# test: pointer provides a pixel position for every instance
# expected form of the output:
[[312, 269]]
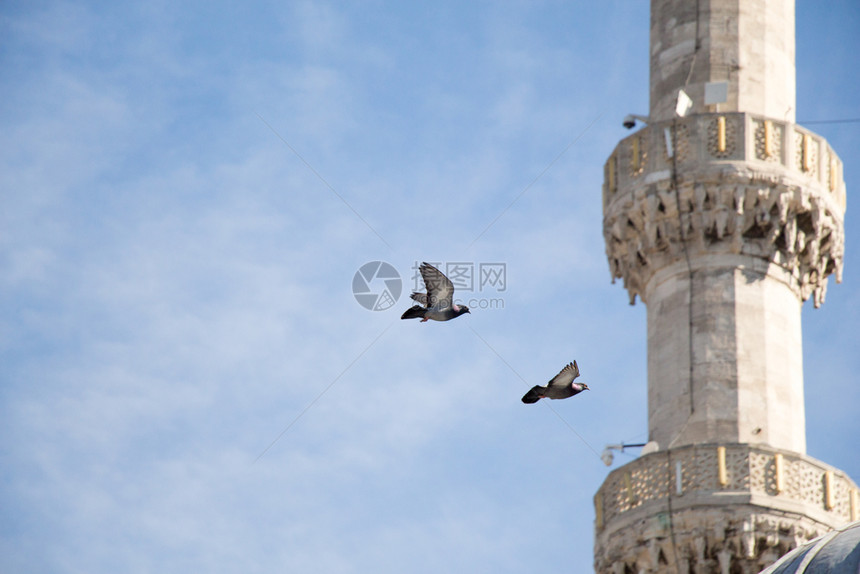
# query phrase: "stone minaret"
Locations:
[[723, 219]]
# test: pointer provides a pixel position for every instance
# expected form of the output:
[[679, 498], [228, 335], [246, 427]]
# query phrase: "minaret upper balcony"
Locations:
[[746, 184]]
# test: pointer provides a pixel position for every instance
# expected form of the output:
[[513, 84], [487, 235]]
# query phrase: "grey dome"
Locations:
[[836, 552]]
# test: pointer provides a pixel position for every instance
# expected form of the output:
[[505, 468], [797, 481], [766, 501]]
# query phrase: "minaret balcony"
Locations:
[[731, 183]]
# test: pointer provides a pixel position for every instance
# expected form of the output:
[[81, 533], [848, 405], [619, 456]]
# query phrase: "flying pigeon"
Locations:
[[560, 387], [438, 302]]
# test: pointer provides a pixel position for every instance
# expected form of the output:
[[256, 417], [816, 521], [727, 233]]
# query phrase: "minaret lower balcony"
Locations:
[[731, 183], [691, 504]]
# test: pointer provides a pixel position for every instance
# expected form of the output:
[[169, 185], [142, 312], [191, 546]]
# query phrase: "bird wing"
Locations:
[[440, 290], [565, 376], [420, 298]]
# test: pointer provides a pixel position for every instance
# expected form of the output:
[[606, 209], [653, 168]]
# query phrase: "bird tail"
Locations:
[[419, 298], [534, 395], [414, 312]]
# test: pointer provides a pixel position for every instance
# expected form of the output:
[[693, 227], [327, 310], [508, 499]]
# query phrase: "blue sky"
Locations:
[[186, 191]]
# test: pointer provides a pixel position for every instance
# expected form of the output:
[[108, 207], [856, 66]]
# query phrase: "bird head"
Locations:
[[583, 387], [464, 309]]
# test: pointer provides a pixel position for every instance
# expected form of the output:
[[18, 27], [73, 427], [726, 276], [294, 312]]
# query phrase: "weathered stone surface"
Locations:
[[747, 43]]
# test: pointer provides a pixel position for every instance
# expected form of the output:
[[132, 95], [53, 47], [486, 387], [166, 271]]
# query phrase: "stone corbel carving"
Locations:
[[700, 544], [667, 200], [725, 557], [748, 537], [798, 536], [740, 218], [644, 232], [720, 530], [654, 554]]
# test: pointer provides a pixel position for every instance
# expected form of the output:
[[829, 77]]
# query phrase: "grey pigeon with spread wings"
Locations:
[[438, 303], [561, 386]]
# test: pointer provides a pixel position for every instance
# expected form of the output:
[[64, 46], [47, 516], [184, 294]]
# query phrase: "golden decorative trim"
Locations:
[[598, 510], [768, 138], [611, 174], [722, 472], [778, 473], [721, 133], [834, 173], [828, 490], [635, 160], [629, 486]]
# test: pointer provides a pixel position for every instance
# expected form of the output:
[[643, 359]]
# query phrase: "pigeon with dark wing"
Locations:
[[438, 302], [560, 387]]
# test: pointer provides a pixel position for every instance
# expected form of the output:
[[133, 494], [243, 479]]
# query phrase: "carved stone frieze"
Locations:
[[698, 551], [781, 224]]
